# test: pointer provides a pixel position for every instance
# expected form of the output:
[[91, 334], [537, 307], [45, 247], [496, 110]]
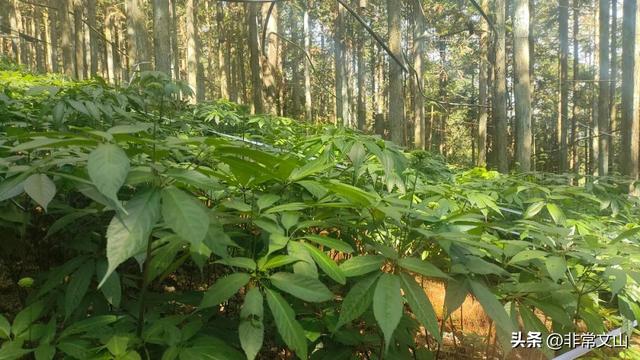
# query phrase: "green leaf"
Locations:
[[224, 288], [289, 328], [277, 261], [210, 348], [13, 186], [420, 305], [128, 235], [40, 188], [45, 352], [5, 327], [627, 234], [422, 267], [533, 209], [455, 295], [527, 255], [303, 287], [357, 301], [251, 329], [77, 288], [491, 306], [108, 166], [309, 168], [326, 264], [240, 262], [331, 243], [185, 215], [93, 323], [360, 265], [13, 351], [295, 206], [556, 266], [26, 317], [111, 289], [556, 214], [387, 305]]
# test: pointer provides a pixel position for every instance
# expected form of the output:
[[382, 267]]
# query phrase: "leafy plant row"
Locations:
[[154, 236]]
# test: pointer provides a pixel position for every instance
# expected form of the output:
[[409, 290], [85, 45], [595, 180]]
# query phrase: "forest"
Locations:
[[348, 179]]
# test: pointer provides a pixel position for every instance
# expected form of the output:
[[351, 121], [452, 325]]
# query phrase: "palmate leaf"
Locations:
[[185, 215], [108, 166], [289, 328], [128, 234], [387, 305], [251, 329]]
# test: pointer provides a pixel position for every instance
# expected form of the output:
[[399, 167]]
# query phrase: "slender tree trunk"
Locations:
[[93, 37], [523, 84], [54, 15], [254, 50], [483, 103], [396, 91], [39, 34], [418, 64], [192, 49], [78, 41], [630, 127], [15, 23], [270, 65], [574, 88], [110, 48], [564, 84], [175, 49], [223, 66], [306, 30], [362, 87], [603, 93], [594, 136], [500, 90], [613, 109], [342, 95], [161, 36]]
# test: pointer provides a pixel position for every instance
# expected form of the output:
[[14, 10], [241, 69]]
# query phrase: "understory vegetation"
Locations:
[[137, 226]]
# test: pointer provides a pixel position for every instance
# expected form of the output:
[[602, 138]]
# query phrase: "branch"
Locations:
[[484, 15], [264, 28]]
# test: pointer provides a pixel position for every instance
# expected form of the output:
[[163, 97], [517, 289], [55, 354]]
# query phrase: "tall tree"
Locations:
[[78, 39], [94, 47], [306, 31], [161, 36], [574, 88], [342, 95], [396, 90], [138, 49], [603, 89], [630, 125], [223, 63], [419, 136], [193, 56], [271, 65], [52, 42], [563, 114], [254, 53], [483, 113], [613, 85], [362, 88], [500, 89], [65, 37], [523, 84], [175, 49]]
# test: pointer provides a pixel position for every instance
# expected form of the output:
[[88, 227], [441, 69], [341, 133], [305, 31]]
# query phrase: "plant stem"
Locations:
[[143, 290]]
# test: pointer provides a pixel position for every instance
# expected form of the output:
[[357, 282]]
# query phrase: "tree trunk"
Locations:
[[603, 92], [613, 109], [419, 136], [630, 127], [138, 51], [65, 37], [53, 16], [192, 49], [574, 88], [500, 90], [270, 65], [175, 50], [223, 65], [483, 102], [396, 91], [110, 46], [564, 84], [306, 30], [78, 39], [594, 134], [93, 37], [254, 50], [161, 36], [39, 34], [362, 87], [522, 84], [342, 95]]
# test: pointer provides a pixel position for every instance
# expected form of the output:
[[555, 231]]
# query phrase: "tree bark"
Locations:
[[574, 88], [362, 87], [94, 47], [630, 127], [396, 91], [564, 85], [192, 49], [613, 85], [603, 92], [53, 34], [419, 136], [270, 66], [342, 95], [138, 49], [522, 84], [500, 90], [223, 65], [483, 102], [175, 50], [65, 37], [254, 53], [306, 30]]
